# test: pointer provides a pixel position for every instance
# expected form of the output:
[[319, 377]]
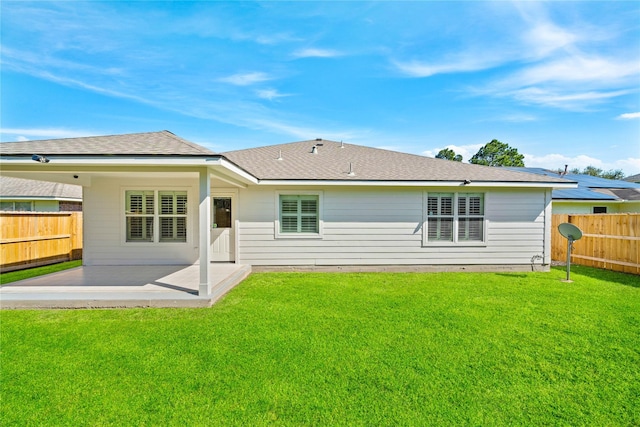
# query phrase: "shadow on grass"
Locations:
[[625, 279]]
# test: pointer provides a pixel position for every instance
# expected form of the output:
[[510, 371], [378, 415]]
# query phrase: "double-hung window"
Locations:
[[440, 217], [139, 213], [455, 218], [156, 216], [173, 216], [298, 215]]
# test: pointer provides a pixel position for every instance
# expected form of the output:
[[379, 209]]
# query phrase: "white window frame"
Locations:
[[281, 235], [13, 205], [456, 220], [156, 216]]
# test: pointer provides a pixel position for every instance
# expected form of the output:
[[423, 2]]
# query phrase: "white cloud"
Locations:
[[543, 63], [270, 94], [544, 38], [460, 64], [577, 68], [316, 53], [567, 100], [466, 151], [557, 161], [629, 116], [629, 165], [245, 79], [44, 133]]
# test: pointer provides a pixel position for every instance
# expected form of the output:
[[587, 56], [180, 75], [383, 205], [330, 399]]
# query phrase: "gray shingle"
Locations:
[[19, 187], [149, 143], [331, 162]]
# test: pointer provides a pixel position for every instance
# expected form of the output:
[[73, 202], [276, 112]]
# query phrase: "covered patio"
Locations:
[[123, 287]]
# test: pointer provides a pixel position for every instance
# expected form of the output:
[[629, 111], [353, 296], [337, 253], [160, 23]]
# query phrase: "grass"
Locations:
[[14, 276], [340, 349]]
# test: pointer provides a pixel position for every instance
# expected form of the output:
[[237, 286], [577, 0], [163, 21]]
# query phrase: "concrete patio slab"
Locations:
[[122, 287]]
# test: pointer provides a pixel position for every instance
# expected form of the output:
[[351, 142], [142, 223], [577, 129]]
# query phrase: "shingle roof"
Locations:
[[19, 187], [149, 143], [633, 178], [590, 187], [332, 162]]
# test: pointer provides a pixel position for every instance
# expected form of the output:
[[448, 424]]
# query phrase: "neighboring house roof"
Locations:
[[590, 187], [633, 178], [331, 160], [19, 188], [150, 143]]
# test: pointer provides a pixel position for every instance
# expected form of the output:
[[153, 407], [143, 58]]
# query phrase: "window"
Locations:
[[599, 209], [470, 217], [143, 217], [440, 217], [222, 212], [173, 216], [299, 214], [16, 206], [455, 217]]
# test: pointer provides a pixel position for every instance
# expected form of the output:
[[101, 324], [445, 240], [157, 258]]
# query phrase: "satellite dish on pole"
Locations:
[[571, 233]]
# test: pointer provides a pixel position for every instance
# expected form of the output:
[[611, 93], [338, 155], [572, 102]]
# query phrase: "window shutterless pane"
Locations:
[[139, 202], [440, 229], [139, 229], [470, 229], [299, 214]]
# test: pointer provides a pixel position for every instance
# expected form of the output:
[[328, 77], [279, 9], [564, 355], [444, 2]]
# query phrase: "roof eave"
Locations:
[[413, 183]]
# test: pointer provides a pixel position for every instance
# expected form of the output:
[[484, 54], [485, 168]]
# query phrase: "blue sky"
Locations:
[[559, 81]]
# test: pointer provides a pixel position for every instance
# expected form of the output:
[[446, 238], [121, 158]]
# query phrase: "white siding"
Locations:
[[587, 207], [104, 224], [383, 226], [46, 206]]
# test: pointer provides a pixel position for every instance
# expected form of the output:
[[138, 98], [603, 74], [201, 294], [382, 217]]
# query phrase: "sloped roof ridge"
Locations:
[[378, 164], [184, 141], [141, 143]]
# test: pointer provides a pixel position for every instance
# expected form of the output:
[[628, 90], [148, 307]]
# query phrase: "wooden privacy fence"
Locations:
[[609, 241], [31, 239]]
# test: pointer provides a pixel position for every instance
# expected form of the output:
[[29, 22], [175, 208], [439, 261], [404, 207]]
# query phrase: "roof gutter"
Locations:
[[371, 183]]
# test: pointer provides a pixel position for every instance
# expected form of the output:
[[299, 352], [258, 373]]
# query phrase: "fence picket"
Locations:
[[609, 241], [30, 239]]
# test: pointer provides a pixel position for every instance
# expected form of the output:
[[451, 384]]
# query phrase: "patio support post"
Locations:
[[204, 288]]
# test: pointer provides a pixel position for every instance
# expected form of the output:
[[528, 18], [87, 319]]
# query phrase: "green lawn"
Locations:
[[14, 276], [340, 349]]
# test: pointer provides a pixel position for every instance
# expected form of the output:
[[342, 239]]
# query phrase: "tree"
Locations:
[[449, 154], [594, 171], [497, 153]]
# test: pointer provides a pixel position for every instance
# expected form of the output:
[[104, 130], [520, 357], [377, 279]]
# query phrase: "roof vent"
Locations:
[[351, 172], [318, 139], [341, 144], [279, 155], [314, 149]]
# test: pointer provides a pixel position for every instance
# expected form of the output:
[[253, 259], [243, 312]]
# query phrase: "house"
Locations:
[[633, 178], [154, 198], [27, 195], [593, 194]]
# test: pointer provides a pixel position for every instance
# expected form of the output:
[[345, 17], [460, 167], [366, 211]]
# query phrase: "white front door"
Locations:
[[222, 231]]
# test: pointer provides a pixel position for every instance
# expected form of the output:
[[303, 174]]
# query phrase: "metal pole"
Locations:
[[569, 242]]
